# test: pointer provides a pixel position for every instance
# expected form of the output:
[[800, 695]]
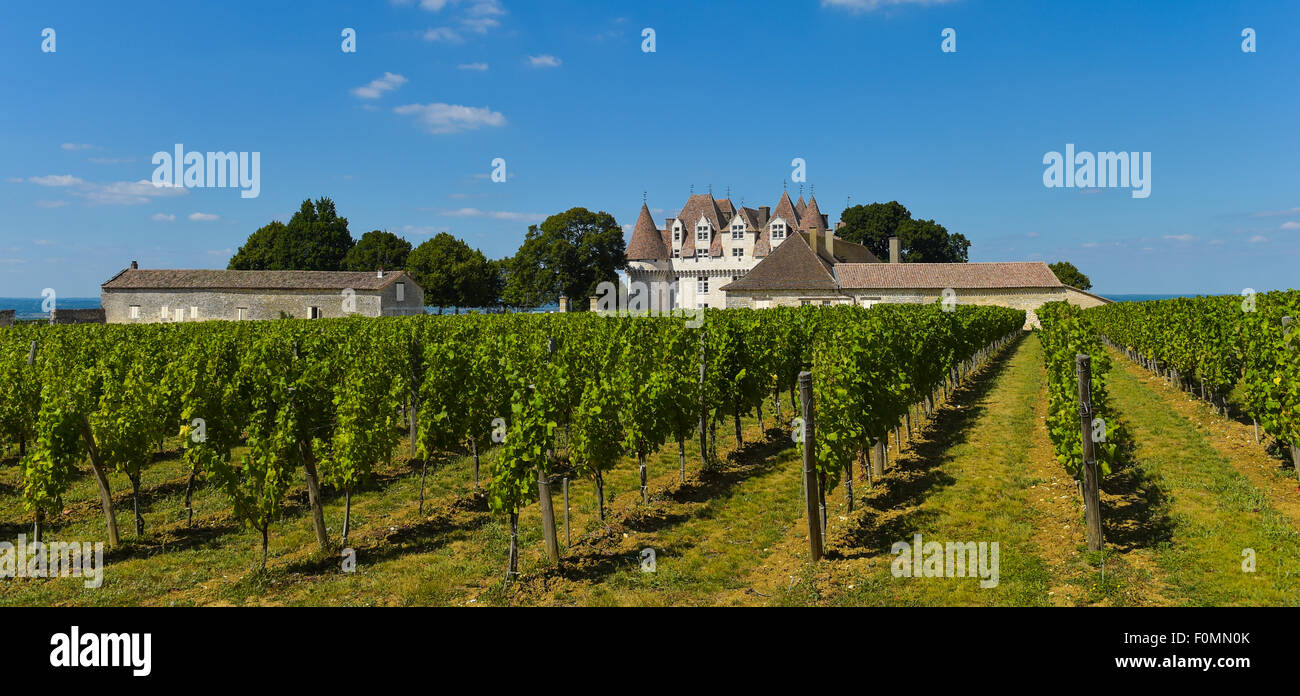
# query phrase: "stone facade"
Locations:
[[141, 302], [77, 316]]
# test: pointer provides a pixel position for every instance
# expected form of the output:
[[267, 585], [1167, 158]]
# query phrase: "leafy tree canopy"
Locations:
[[921, 240], [1068, 274], [454, 275], [377, 249], [569, 254], [316, 239]]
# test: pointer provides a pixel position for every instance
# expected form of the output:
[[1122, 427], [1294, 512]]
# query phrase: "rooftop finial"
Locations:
[[812, 191], [783, 185], [710, 190], [728, 192], [692, 189], [801, 190], [642, 197]]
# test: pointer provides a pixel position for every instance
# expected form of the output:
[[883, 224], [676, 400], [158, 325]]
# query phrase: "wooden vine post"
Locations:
[[1295, 447], [544, 494], [22, 447], [1091, 504], [810, 484]]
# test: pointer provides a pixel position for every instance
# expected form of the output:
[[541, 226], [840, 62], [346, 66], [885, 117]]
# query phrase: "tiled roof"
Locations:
[[1033, 274], [799, 205], [791, 266], [647, 242], [181, 279], [812, 216]]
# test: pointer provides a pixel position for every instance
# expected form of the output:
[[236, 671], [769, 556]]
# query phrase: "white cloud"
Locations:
[[218, 252], [162, 217], [377, 87], [479, 25], [1257, 239], [1180, 237], [861, 6], [442, 34], [473, 66], [77, 146], [56, 180], [544, 61], [111, 160], [1277, 213], [495, 214], [451, 118], [50, 204], [203, 217], [1089, 245], [43, 242], [1291, 225], [130, 192]]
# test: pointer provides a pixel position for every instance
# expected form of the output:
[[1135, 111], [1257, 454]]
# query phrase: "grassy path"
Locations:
[[1213, 513], [965, 479]]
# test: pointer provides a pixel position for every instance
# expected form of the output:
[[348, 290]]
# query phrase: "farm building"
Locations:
[[138, 295], [794, 274]]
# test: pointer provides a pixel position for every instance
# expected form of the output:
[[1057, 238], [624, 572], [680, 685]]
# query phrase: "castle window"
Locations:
[[737, 252], [677, 253], [778, 230], [241, 313], [313, 312], [702, 286], [677, 235], [702, 233]]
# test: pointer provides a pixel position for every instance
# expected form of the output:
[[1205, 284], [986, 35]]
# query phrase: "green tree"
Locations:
[[569, 254], [1068, 274], [377, 249], [920, 240], [453, 274], [316, 239]]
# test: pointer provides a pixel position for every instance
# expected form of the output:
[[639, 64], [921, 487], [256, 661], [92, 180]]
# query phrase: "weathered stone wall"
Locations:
[[77, 316], [6, 317], [259, 304]]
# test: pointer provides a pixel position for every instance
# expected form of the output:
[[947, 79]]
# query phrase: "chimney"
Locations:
[[830, 246], [380, 273], [135, 266], [839, 224], [764, 214], [812, 239], [895, 250]]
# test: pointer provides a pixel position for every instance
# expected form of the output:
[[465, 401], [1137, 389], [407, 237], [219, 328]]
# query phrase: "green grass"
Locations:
[[974, 473], [1216, 512]]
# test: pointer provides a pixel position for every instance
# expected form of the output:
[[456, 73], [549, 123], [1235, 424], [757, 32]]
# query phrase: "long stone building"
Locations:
[[137, 296], [795, 274]]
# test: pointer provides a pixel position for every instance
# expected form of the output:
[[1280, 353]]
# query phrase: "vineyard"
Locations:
[[534, 458]]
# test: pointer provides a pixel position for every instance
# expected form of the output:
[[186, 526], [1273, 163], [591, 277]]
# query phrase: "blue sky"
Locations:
[[402, 133]]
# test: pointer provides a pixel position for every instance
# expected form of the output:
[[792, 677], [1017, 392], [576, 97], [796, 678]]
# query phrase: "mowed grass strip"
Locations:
[[1218, 517], [965, 479]]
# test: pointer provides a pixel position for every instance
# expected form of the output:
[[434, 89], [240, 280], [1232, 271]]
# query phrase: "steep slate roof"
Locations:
[[785, 209], [647, 241], [799, 205], [791, 266], [161, 279], [1032, 274]]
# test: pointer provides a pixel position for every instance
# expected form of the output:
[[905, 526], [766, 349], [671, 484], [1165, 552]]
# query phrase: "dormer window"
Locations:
[[738, 231], [737, 252], [702, 233], [677, 234], [778, 230]]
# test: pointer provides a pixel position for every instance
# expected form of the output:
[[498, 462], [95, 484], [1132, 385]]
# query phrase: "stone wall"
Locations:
[[204, 305], [1028, 299], [77, 316], [6, 317]]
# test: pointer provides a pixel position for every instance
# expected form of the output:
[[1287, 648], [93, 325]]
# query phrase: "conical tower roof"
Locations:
[[647, 242]]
